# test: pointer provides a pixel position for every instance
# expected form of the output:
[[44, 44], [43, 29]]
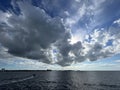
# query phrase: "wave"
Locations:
[[10, 81]]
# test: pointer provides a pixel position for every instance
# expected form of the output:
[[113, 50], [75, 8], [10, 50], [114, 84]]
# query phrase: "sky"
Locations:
[[60, 34]]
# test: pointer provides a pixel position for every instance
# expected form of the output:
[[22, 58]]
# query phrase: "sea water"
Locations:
[[60, 80]]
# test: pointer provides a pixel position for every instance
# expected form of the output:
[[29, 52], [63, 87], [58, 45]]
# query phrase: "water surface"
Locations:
[[60, 80]]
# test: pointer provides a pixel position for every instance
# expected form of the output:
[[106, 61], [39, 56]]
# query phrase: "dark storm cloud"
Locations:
[[30, 33], [44, 34]]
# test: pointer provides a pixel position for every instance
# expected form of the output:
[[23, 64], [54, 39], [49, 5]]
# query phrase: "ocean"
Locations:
[[59, 80]]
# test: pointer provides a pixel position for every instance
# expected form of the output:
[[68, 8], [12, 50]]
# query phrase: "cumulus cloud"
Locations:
[[36, 34], [31, 32], [102, 44], [97, 45]]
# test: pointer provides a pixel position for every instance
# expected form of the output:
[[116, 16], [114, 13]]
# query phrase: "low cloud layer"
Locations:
[[36, 35]]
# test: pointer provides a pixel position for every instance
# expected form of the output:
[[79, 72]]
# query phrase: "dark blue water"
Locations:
[[60, 80]]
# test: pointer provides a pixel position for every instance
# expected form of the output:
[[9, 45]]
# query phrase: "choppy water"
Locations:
[[60, 80]]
